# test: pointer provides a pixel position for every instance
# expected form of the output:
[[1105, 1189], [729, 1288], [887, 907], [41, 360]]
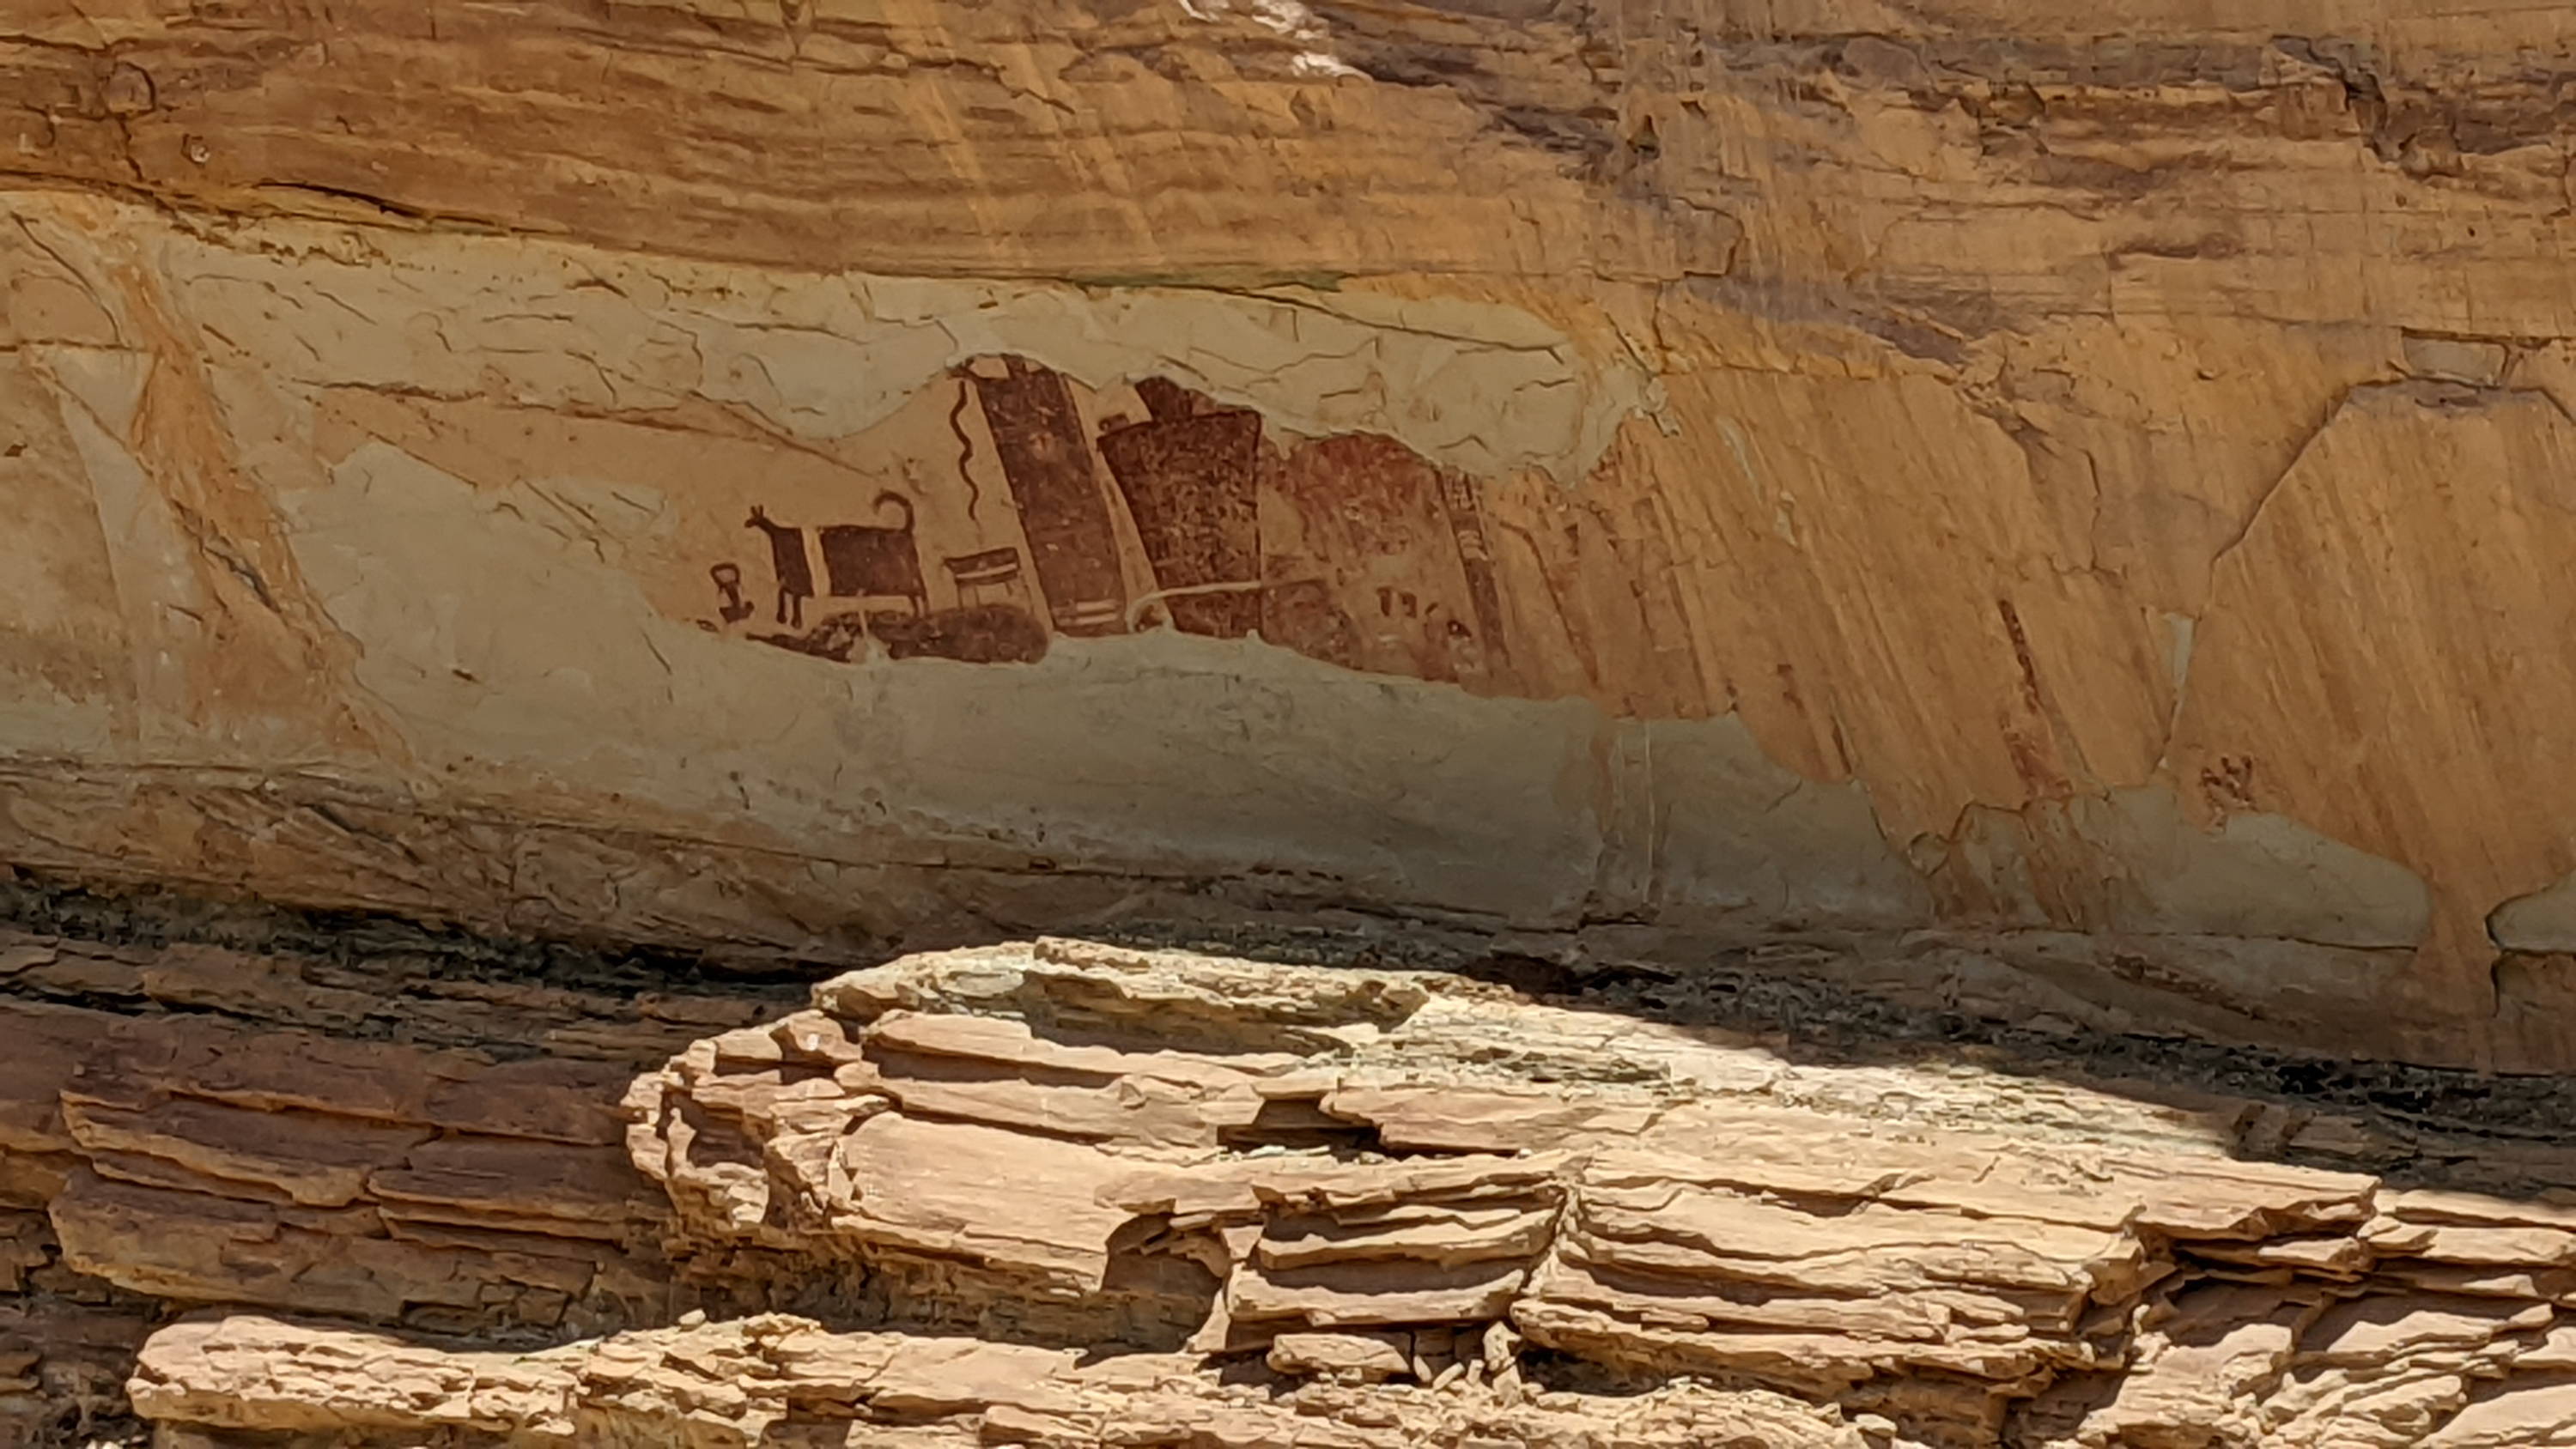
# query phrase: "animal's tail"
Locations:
[[899, 501], [965, 444]]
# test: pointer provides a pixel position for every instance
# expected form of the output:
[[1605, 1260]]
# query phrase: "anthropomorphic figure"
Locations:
[[735, 608]]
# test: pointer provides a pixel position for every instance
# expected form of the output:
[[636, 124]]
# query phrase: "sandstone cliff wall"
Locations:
[[2062, 503]]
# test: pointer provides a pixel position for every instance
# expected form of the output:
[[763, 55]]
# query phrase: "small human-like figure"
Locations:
[[728, 577]]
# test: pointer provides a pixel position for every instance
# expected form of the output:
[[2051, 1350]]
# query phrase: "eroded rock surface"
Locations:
[[1069, 1194], [820, 479], [393, 1137], [781, 1380], [2046, 513]]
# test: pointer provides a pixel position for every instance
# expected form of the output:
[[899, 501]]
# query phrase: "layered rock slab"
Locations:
[[1068, 1194], [404, 1145], [1355, 1173], [782, 1380]]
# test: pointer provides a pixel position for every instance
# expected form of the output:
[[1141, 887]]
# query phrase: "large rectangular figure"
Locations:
[[1037, 431]]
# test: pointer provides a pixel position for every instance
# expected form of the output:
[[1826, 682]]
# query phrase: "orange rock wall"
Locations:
[[2084, 483]]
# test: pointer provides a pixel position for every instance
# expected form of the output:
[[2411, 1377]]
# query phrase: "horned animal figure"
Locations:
[[868, 562], [787, 560]]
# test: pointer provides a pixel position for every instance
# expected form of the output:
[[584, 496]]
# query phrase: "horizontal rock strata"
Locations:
[[1067, 1194], [813, 479], [1354, 1173], [785, 1381], [397, 1142], [1071, 1194], [2051, 514]]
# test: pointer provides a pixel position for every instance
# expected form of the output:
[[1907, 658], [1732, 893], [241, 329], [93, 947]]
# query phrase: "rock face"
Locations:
[[2080, 486], [779, 1380], [1063, 1194], [2044, 517]]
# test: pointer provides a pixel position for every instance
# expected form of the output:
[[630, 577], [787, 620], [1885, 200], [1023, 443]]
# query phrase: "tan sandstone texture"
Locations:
[[2063, 505], [1062, 1194], [2045, 522]]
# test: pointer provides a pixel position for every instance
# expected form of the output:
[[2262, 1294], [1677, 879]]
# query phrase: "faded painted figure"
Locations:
[[1190, 477], [1055, 488], [860, 561], [1101, 512]]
